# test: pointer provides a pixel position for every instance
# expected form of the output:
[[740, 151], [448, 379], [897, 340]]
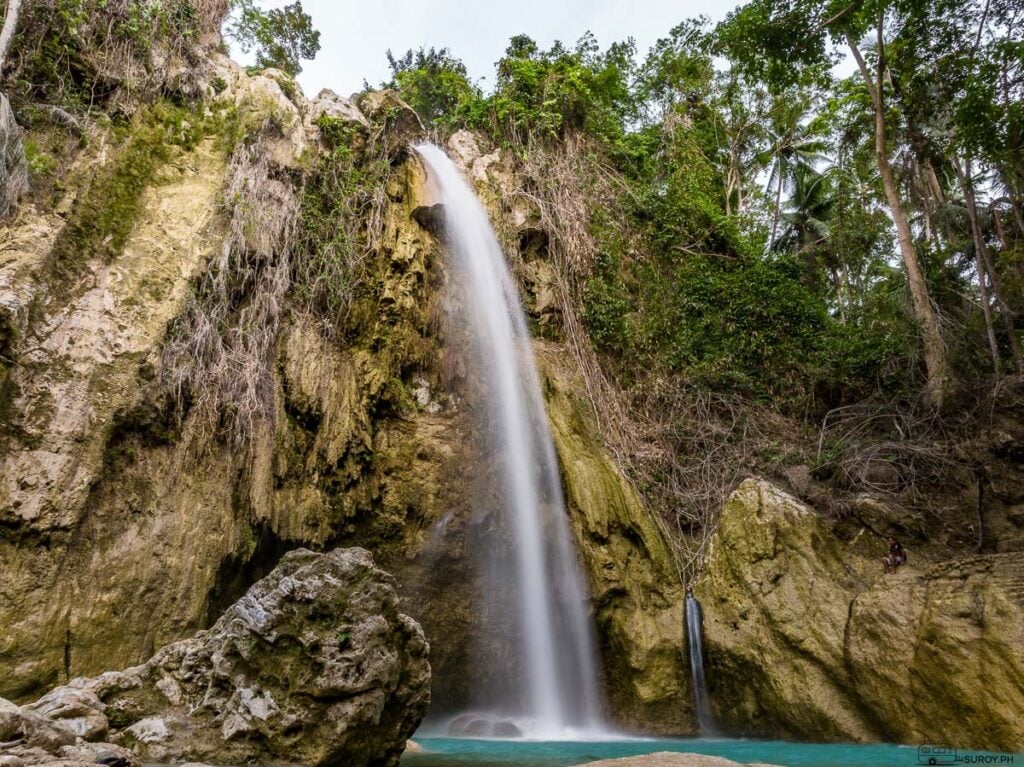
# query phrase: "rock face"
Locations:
[[314, 665], [635, 589], [131, 523], [27, 737], [806, 639]]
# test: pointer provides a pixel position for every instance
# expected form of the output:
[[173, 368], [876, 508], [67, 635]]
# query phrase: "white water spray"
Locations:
[[559, 694]]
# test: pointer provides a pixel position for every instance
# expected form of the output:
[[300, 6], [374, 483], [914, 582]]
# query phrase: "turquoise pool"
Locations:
[[457, 752]]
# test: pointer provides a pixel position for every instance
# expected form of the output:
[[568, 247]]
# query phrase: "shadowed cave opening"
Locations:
[[236, 573]]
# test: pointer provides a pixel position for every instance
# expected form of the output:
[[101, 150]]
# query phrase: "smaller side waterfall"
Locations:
[[695, 645]]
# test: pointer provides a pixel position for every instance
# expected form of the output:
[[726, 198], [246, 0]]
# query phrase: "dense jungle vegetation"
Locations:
[[804, 239]]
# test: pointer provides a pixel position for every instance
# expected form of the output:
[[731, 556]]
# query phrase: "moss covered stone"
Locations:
[[635, 587], [799, 645]]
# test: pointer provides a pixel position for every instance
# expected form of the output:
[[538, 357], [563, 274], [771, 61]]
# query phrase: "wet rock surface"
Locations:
[[669, 759], [314, 665]]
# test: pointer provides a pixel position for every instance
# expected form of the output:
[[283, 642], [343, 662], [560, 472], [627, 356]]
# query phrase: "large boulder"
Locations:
[[801, 643], [314, 666]]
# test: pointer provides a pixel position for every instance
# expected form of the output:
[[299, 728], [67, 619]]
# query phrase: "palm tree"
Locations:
[[795, 148], [808, 212], [806, 222]]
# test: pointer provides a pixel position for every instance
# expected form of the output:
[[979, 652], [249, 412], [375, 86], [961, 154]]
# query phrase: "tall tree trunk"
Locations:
[[986, 264], [729, 186], [7, 32], [936, 365], [986, 310], [778, 204], [997, 221]]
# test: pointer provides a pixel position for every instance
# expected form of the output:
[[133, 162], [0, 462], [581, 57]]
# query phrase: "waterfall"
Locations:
[[557, 693], [695, 644]]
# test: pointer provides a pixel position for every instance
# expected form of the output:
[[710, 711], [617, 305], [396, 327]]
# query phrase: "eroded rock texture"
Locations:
[[314, 665], [806, 639]]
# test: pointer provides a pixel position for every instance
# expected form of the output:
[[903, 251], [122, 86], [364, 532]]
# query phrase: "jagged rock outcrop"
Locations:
[[314, 665], [28, 737], [806, 639]]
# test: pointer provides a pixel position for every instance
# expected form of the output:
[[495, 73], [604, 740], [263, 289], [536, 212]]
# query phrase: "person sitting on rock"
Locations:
[[897, 555]]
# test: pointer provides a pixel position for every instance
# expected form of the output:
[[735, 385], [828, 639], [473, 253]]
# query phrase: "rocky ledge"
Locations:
[[806, 638], [313, 666], [670, 759]]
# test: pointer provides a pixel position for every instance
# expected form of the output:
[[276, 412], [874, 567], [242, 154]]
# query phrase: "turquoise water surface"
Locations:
[[459, 752]]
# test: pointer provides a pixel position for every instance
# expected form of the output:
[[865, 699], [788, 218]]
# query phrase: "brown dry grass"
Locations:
[[219, 354], [683, 448]]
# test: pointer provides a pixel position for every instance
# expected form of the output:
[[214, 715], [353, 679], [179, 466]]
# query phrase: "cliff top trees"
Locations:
[[742, 171], [281, 37], [435, 84]]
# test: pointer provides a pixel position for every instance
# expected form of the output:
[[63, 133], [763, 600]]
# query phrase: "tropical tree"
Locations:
[[795, 148], [435, 84], [281, 37], [807, 220], [788, 40]]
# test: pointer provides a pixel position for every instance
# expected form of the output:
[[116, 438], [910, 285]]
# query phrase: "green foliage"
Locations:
[[73, 52], [790, 42], [104, 215], [40, 162], [340, 204], [606, 305], [551, 93], [678, 69], [281, 37], [748, 326], [435, 84]]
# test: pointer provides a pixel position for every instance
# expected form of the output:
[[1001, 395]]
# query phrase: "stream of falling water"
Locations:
[[695, 645], [558, 694]]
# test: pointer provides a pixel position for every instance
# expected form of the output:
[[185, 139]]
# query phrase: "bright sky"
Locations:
[[355, 34]]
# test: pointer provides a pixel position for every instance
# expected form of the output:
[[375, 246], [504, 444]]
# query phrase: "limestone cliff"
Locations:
[[807, 639], [187, 402]]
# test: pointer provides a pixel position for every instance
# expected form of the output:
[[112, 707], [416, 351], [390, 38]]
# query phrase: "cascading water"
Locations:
[[695, 644], [558, 694]]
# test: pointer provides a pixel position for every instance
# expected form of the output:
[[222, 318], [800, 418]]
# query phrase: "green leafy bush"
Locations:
[[436, 85]]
